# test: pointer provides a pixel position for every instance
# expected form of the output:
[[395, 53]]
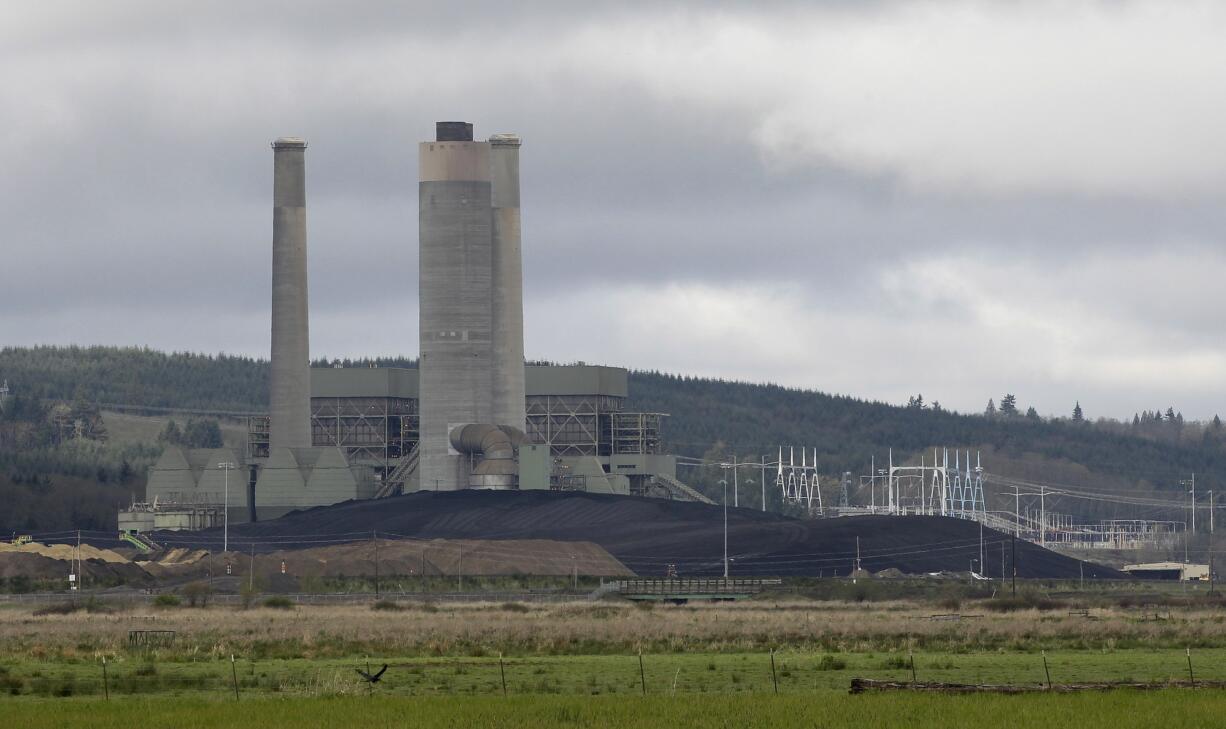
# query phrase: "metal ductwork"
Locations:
[[496, 445]]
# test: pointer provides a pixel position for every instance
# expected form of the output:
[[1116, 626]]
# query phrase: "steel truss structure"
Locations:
[[937, 488], [374, 431], [798, 483], [591, 425]]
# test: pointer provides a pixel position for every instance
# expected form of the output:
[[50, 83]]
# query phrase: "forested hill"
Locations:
[[707, 416]]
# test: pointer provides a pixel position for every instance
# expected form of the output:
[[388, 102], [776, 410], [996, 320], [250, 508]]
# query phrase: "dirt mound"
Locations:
[[649, 535], [41, 567], [409, 557]]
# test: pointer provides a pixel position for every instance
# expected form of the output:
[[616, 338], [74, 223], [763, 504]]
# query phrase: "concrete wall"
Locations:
[[455, 291], [290, 383], [191, 476]]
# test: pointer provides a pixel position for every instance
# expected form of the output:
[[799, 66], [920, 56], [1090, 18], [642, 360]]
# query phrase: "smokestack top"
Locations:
[[505, 140], [289, 142], [453, 131]]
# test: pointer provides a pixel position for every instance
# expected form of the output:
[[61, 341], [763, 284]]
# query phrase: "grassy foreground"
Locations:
[[593, 675], [1170, 709]]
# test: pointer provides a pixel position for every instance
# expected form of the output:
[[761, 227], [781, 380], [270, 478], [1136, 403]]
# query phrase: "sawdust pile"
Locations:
[[64, 551]]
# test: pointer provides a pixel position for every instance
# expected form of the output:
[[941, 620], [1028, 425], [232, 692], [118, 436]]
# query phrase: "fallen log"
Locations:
[[867, 685]]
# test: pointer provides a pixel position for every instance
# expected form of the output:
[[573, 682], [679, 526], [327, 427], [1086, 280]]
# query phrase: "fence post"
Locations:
[[234, 675], [774, 678], [1191, 678], [1046, 670], [911, 656], [642, 673], [106, 688], [502, 671]]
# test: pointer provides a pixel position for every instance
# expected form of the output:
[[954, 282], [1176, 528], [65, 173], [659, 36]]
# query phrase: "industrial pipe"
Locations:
[[496, 445]]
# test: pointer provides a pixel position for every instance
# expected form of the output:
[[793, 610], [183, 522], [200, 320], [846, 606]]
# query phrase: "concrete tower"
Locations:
[[508, 277], [290, 391], [455, 297]]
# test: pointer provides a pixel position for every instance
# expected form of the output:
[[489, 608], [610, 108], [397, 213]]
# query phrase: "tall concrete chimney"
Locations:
[[290, 391], [455, 297], [508, 284]]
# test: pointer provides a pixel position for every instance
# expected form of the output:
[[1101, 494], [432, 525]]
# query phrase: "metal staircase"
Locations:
[[396, 479], [679, 490]]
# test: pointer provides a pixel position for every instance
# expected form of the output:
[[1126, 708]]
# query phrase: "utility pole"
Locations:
[[374, 537], [982, 565], [251, 570], [1014, 543], [1191, 483], [725, 483], [225, 508], [1017, 512], [763, 483], [735, 491], [459, 571], [1042, 515], [857, 554], [1002, 562], [1210, 542], [872, 484]]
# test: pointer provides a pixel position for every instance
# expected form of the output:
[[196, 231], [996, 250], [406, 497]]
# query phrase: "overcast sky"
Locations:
[[959, 199]]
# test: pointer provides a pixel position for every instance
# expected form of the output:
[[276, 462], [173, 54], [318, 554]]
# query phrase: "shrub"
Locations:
[[387, 605], [61, 608], [247, 594], [280, 602], [198, 594], [166, 599], [830, 663], [1025, 601], [515, 607]]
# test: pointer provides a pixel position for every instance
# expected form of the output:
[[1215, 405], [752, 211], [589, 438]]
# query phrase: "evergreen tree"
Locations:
[[1008, 405], [1078, 415], [990, 410], [1032, 414]]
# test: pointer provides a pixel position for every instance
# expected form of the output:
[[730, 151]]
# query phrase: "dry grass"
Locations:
[[594, 628]]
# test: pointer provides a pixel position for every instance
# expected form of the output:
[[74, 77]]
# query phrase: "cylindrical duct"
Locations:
[[496, 445], [454, 298], [508, 284], [290, 381]]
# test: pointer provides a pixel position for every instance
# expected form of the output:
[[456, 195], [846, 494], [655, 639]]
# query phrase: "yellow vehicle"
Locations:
[[22, 539]]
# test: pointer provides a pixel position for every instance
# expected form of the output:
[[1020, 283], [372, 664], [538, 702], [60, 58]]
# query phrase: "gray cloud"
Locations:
[[876, 199]]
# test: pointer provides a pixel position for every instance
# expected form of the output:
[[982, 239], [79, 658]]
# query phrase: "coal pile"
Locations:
[[650, 535]]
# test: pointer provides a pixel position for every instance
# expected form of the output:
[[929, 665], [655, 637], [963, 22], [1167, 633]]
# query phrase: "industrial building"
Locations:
[[471, 416]]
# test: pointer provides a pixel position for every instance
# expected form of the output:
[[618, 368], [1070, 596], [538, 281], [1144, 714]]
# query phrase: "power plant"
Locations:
[[471, 416]]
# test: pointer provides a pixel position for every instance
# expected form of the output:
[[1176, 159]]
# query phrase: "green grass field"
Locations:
[[593, 675], [1170, 709]]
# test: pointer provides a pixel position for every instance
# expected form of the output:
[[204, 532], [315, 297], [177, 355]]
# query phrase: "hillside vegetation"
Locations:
[[712, 418]]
